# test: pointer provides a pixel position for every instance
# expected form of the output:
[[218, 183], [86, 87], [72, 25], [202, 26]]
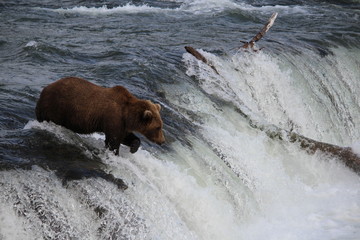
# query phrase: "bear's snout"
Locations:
[[162, 141]]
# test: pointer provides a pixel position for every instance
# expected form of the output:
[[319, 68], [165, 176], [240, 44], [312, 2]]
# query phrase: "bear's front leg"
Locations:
[[132, 141]]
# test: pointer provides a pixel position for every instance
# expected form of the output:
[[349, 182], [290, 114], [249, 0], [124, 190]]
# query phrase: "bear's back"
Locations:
[[65, 94], [77, 104]]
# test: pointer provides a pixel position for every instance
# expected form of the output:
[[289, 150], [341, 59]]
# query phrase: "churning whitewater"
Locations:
[[227, 170]]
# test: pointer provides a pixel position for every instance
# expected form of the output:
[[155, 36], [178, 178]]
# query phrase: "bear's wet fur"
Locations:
[[84, 108]]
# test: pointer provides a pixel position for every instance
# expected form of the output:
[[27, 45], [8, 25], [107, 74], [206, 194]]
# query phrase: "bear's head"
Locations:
[[149, 122]]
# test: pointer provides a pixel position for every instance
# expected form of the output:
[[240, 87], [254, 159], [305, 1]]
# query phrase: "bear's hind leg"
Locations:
[[112, 143]]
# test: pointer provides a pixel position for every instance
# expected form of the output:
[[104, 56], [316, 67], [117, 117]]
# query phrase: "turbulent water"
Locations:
[[220, 175]]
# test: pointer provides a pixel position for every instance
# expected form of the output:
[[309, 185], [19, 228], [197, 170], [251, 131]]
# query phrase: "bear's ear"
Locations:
[[147, 115], [158, 107]]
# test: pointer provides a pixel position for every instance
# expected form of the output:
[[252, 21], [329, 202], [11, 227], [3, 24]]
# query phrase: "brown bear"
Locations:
[[84, 107]]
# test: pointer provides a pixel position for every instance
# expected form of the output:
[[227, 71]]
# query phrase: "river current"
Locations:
[[224, 172]]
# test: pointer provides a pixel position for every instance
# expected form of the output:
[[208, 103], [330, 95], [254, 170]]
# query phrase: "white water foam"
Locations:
[[187, 6], [59, 131], [294, 99], [172, 200], [43, 205], [282, 10], [299, 196], [208, 6], [62, 133], [254, 83], [329, 91], [292, 189], [11, 227], [32, 44], [355, 147], [173, 203], [104, 10], [213, 6]]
